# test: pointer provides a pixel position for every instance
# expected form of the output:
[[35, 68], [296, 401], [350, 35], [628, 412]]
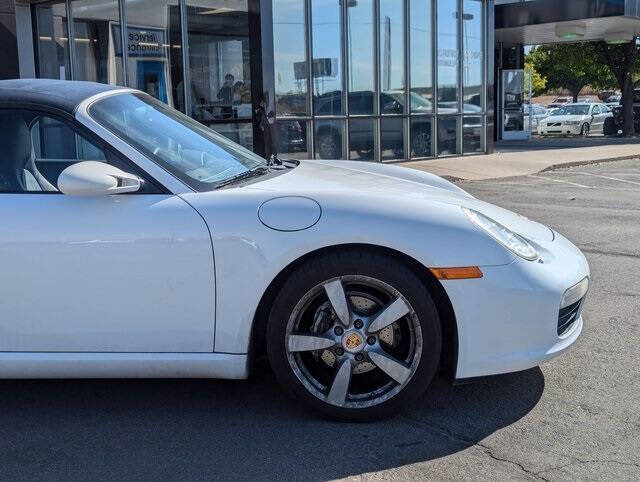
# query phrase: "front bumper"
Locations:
[[562, 130], [508, 320]]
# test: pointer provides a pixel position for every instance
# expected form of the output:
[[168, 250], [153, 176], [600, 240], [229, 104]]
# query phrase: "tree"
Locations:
[[569, 66], [622, 61], [537, 81]]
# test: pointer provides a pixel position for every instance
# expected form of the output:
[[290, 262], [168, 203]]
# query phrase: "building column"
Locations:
[[262, 77]]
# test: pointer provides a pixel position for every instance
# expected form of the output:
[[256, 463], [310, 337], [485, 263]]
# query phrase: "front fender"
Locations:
[[248, 255]]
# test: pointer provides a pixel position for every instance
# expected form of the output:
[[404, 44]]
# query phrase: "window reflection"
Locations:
[[421, 49], [472, 66], [292, 139], [53, 41], [218, 33], [472, 134], [290, 57], [421, 136], [447, 56], [447, 136], [96, 25], [392, 138], [327, 63], [361, 139], [361, 55], [392, 78], [328, 139], [154, 49]]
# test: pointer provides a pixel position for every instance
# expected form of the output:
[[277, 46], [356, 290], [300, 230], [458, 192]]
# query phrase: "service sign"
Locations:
[[141, 41]]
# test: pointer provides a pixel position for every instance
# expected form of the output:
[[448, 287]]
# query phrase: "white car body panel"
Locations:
[[104, 274], [168, 285]]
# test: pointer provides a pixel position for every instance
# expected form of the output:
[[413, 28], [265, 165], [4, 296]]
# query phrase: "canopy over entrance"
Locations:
[[552, 21]]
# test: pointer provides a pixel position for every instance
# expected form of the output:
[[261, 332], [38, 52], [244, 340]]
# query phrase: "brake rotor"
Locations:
[[324, 319]]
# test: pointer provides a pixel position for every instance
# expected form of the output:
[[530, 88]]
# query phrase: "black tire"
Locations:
[[584, 130], [355, 263]]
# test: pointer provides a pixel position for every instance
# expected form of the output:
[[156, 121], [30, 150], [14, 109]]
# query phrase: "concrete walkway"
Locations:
[[519, 158]]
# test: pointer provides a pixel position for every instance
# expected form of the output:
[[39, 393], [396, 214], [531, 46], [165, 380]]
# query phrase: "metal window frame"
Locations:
[[311, 119]]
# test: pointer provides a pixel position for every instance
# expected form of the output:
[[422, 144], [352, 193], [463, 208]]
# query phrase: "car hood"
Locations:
[[367, 183], [564, 118]]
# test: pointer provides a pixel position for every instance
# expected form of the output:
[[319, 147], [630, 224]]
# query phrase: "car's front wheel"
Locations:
[[355, 335], [584, 130]]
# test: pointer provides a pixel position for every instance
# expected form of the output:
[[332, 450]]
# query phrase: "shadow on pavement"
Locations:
[[195, 429]]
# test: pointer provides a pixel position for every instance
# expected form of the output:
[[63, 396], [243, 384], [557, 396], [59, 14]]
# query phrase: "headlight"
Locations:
[[575, 293], [572, 123], [510, 240]]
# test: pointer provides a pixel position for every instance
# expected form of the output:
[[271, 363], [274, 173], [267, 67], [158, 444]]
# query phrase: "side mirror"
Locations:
[[94, 178]]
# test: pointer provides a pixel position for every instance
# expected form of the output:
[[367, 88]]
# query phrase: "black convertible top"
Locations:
[[61, 95]]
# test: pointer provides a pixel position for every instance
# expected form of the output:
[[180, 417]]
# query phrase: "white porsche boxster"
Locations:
[[135, 242]]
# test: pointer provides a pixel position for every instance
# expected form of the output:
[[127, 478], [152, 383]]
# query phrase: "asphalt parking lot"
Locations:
[[576, 417]]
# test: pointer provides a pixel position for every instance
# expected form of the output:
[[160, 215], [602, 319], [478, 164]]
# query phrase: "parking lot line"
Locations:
[[562, 182], [608, 177]]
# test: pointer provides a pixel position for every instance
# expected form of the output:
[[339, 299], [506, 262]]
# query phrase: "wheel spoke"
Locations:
[[308, 343], [340, 386], [338, 299], [392, 312], [391, 367]]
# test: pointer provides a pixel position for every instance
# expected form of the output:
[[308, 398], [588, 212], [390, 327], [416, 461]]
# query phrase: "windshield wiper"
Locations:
[[253, 172]]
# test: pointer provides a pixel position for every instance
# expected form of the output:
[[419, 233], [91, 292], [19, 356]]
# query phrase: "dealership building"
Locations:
[[379, 80]]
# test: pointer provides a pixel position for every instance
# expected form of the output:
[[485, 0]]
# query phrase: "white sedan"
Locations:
[[576, 119], [137, 243]]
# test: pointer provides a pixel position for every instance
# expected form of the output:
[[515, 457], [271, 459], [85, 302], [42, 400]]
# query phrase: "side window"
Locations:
[[596, 110], [38, 147], [54, 140]]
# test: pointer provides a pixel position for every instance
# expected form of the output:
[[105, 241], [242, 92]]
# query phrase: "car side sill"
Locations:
[[123, 365]]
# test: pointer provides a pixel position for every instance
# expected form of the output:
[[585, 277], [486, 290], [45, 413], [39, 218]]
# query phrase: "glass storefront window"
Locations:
[[154, 49], [421, 135], [472, 135], [97, 41], [327, 56], [392, 138], [293, 142], [421, 49], [473, 59], [290, 57], [239, 132], [328, 139], [219, 60], [392, 50], [448, 54], [447, 136], [362, 139], [361, 56], [53, 41]]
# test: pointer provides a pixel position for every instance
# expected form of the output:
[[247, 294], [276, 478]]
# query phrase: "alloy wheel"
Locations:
[[353, 341]]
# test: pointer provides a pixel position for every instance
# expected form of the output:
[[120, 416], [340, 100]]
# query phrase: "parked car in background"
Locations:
[[606, 94], [560, 101], [586, 100], [617, 124], [533, 114], [613, 101], [576, 119]]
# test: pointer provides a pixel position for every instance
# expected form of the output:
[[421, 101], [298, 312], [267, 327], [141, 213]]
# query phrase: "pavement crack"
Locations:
[[489, 452], [610, 253]]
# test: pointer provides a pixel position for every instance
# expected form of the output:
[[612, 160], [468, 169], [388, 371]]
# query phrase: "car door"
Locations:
[[120, 273], [597, 122]]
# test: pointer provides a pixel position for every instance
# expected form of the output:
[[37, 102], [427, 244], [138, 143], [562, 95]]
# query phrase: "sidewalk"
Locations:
[[519, 158]]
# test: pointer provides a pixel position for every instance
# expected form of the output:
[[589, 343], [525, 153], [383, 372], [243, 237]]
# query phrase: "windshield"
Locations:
[[572, 110], [196, 155]]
